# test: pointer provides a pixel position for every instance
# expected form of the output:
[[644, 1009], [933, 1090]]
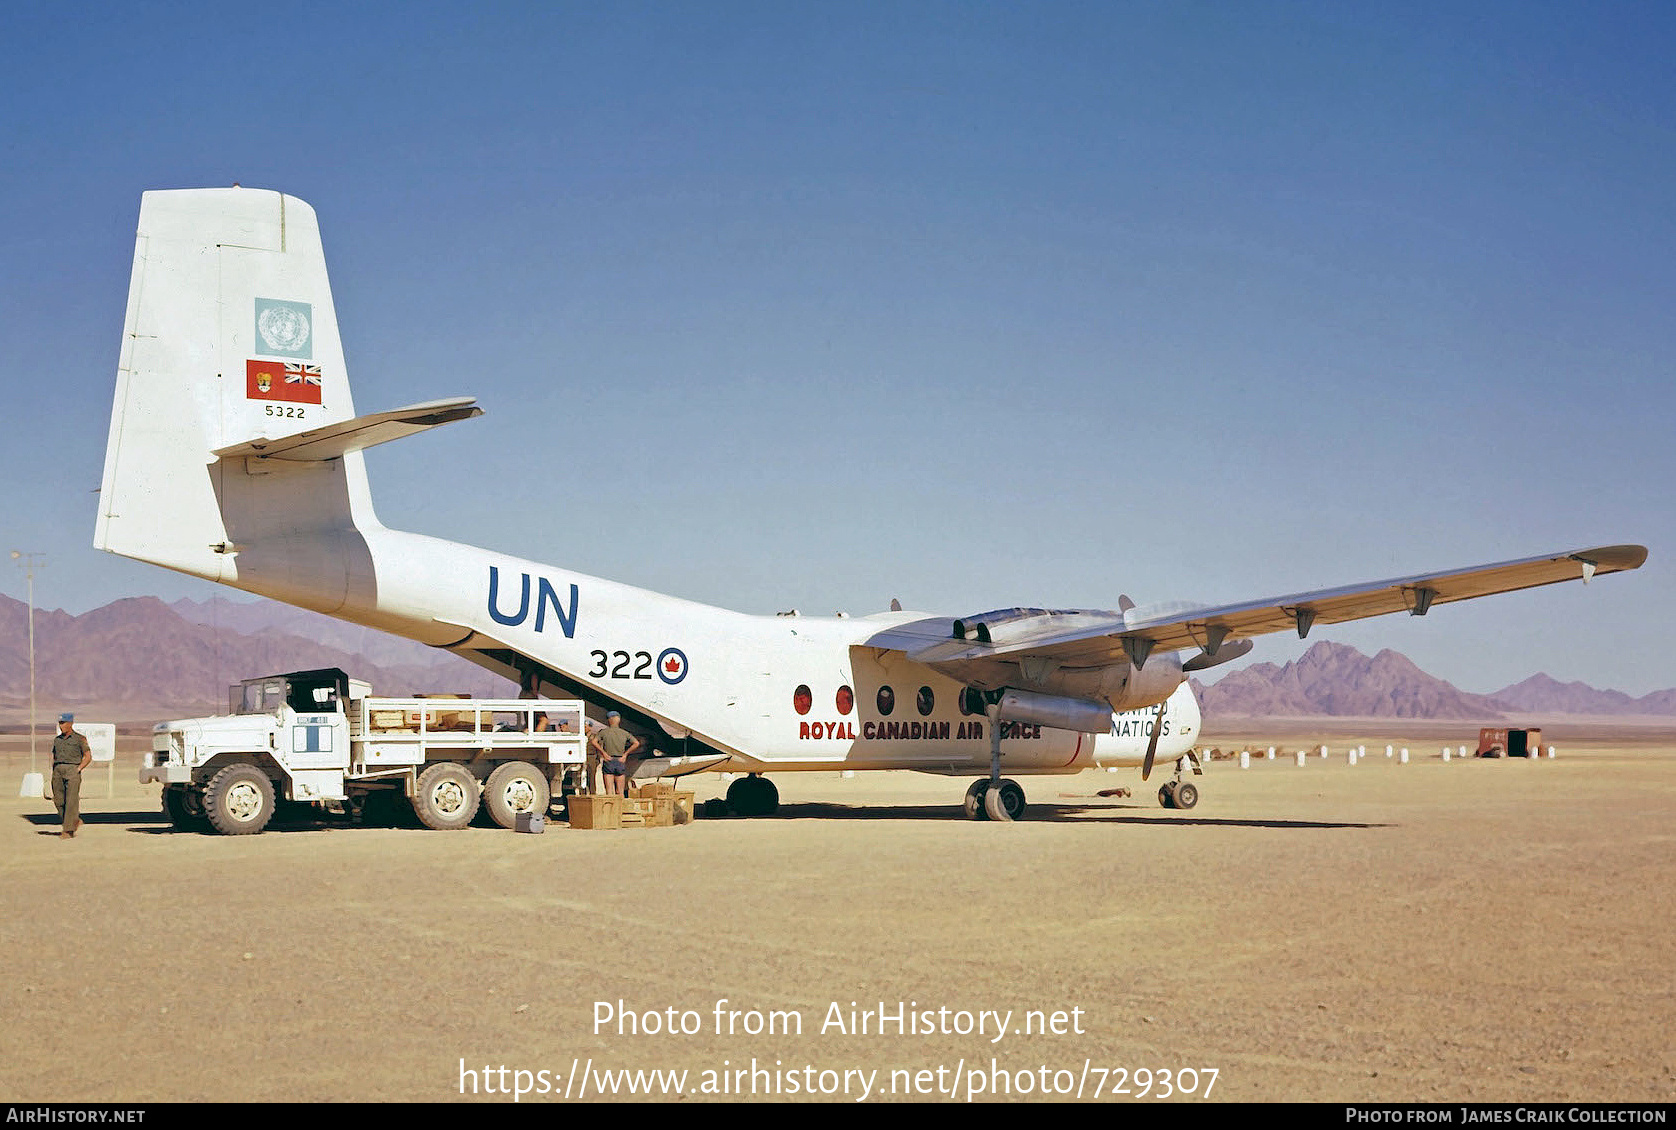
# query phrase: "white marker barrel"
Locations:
[[1271, 752], [1550, 753], [1245, 759], [1301, 759], [1446, 753], [1404, 755]]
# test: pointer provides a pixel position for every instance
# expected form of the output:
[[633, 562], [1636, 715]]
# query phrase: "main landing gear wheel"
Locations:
[[1004, 802], [1167, 796], [239, 800], [753, 796], [973, 804], [515, 787], [445, 797]]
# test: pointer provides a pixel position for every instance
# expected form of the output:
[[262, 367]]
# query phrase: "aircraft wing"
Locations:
[[1084, 638]]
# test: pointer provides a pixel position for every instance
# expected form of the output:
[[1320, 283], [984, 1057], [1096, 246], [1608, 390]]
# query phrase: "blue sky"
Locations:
[[814, 306]]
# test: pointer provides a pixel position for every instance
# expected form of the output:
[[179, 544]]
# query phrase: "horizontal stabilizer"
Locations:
[[336, 440]]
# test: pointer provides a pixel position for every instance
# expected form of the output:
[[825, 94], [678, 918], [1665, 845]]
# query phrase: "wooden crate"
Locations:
[[663, 812], [597, 812]]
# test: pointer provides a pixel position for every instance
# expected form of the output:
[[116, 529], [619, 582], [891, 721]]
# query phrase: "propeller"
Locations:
[[1152, 743]]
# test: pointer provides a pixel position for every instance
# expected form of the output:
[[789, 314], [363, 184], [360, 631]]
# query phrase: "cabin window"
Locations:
[[887, 701], [846, 700], [927, 702], [802, 700]]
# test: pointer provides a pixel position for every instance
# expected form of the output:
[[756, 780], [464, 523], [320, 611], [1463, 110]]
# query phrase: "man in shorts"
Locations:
[[615, 745]]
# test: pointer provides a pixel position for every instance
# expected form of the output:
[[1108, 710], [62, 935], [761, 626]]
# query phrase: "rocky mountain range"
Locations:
[[1334, 680], [180, 658]]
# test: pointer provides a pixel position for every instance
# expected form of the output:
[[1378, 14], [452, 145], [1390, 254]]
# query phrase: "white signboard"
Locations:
[[101, 739]]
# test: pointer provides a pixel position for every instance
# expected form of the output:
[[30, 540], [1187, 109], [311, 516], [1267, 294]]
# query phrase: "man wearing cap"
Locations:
[[615, 745], [70, 755]]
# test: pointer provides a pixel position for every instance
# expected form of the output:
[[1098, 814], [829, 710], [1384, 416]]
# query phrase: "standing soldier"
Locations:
[[70, 755]]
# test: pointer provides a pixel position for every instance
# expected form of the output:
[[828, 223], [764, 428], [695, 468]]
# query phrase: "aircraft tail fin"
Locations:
[[231, 338]]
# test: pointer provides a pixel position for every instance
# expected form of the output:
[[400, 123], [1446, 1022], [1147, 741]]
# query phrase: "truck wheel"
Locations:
[[445, 797], [239, 800], [515, 787], [183, 814]]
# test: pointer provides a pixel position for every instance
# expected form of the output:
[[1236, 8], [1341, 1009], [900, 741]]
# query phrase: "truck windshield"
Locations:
[[262, 696]]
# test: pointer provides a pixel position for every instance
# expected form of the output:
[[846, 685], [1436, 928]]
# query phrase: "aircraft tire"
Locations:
[[515, 787], [1004, 802], [973, 805], [753, 796], [1187, 794], [386, 808], [445, 797], [239, 800], [1167, 797], [739, 796]]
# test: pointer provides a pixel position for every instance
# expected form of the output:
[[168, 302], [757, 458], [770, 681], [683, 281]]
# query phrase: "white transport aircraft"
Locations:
[[235, 455]]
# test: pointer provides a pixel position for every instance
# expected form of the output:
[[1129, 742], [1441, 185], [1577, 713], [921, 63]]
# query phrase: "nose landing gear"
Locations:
[[1178, 793]]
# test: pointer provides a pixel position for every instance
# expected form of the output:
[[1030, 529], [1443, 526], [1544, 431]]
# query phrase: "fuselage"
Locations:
[[714, 688]]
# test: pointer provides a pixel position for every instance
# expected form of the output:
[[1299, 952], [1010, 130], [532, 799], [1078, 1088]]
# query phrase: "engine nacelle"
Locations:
[[1120, 686], [1053, 710], [1150, 685]]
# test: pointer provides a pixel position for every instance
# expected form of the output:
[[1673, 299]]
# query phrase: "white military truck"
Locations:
[[319, 737]]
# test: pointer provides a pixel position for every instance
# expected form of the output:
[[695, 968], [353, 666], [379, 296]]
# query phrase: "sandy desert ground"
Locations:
[[1478, 931]]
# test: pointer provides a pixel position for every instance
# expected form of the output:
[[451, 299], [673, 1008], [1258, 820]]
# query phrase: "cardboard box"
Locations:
[[598, 812]]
